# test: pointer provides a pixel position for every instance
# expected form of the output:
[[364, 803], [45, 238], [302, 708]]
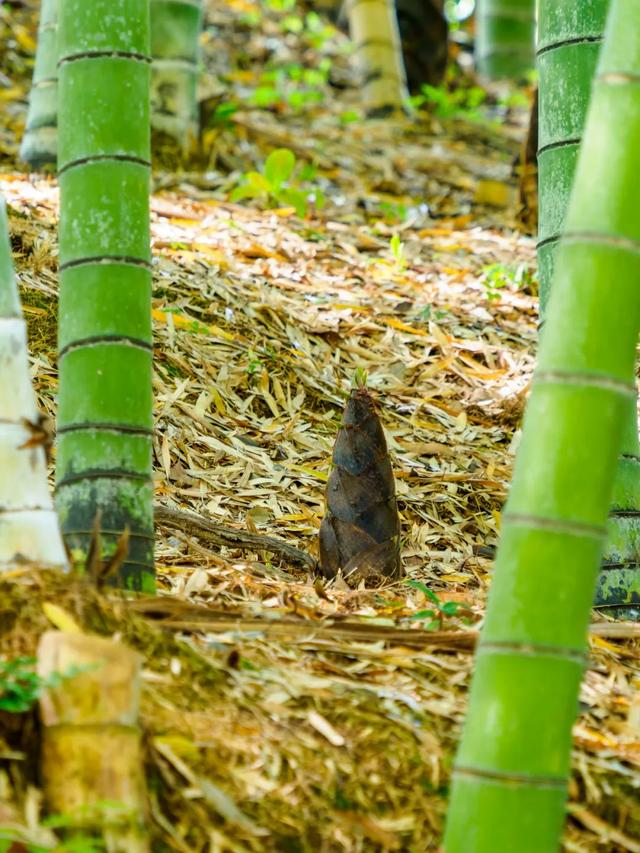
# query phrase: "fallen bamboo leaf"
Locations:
[[60, 618], [322, 725], [602, 829]]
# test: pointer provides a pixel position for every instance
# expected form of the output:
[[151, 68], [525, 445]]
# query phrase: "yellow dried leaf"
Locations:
[[184, 220], [221, 258], [283, 212], [182, 322], [179, 745], [318, 475], [12, 94], [60, 618], [403, 327], [494, 193], [324, 727], [601, 643], [218, 402], [435, 232], [24, 38]]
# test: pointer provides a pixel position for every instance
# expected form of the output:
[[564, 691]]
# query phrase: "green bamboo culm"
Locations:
[[105, 351], [510, 776], [39, 143], [569, 39], [175, 31], [618, 590], [505, 38]]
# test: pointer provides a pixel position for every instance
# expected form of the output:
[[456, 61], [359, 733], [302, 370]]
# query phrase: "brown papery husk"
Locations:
[[360, 533]]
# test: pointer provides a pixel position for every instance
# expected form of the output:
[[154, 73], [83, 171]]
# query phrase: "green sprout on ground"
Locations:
[[496, 277], [394, 211], [359, 378], [314, 31], [440, 610], [397, 250], [278, 183], [10, 842], [349, 116], [21, 686], [292, 85], [444, 103]]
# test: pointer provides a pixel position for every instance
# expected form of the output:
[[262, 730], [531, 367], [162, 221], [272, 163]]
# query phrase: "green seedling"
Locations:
[[21, 686], [223, 112], [359, 378], [440, 610], [397, 250], [292, 85], [394, 211], [280, 5], [316, 31], [429, 313], [292, 24], [457, 103], [277, 184], [349, 116], [496, 277]]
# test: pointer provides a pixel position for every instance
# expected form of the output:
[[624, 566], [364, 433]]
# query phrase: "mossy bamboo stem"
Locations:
[[510, 777], [570, 35], [569, 38], [39, 144], [505, 37], [175, 31], [374, 29], [105, 401]]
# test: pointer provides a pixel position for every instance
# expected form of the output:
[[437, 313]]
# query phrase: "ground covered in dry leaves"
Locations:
[[282, 714]]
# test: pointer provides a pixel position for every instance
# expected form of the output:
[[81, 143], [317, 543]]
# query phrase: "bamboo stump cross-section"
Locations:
[[91, 753]]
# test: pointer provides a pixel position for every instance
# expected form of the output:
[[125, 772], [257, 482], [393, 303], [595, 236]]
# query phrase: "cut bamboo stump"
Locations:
[[91, 755], [373, 26]]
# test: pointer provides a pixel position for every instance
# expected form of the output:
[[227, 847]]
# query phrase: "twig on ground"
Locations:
[[220, 534]]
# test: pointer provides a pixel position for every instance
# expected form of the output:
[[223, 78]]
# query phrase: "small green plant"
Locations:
[[397, 250], [21, 686], [292, 24], [359, 378], [349, 116], [280, 5], [394, 211], [277, 183], [515, 98], [440, 610], [317, 32], [223, 112], [429, 313], [251, 19], [253, 363], [293, 85], [456, 103], [496, 277]]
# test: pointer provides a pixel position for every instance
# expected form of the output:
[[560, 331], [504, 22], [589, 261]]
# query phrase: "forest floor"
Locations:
[[282, 713]]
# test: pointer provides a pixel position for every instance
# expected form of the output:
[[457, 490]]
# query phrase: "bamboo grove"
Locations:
[[107, 73]]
